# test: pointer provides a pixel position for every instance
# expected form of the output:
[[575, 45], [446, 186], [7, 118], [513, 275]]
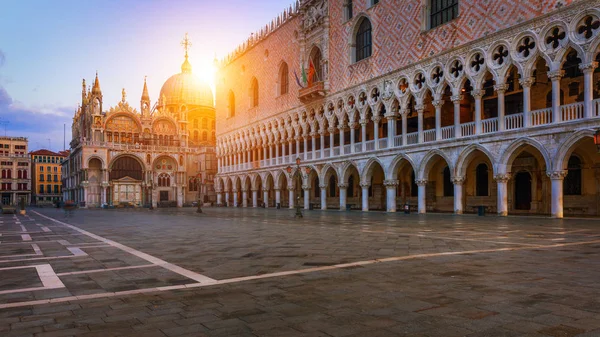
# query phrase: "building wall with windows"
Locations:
[[15, 170], [495, 107], [46, 187]]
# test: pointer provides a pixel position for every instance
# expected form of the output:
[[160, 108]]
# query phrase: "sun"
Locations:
[[206, 70]]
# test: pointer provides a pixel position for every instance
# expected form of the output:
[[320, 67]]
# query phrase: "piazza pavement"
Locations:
[[261, 272]]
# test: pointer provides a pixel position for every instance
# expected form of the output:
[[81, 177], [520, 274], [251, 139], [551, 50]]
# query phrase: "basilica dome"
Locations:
[[186, 88]]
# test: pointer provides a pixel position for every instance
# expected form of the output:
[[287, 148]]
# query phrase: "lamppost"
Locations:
[[298, 189]]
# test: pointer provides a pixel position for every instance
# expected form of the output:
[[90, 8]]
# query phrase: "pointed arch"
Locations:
[[392, 170], [429, 160], [283, 83], [346, 170], [465, 157], [561, 159], [367, 171], [512, 151]]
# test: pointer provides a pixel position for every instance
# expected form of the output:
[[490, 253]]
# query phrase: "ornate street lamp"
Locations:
[[298, 189], [597, 139]]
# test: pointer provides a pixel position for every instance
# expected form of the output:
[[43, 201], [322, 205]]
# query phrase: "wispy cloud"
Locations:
[[38, 123], [2, 58]]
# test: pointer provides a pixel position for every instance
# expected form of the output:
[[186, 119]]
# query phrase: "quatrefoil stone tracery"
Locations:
[[437, 75], [526, 47], [477, 62], [500, 55], [556, 35], [456, 68]]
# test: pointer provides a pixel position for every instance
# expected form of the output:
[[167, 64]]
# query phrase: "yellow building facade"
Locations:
[[46, 178]]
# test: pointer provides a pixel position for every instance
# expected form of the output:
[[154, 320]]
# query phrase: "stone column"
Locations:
[[555, 76], [331, 131], [298, 146], [390, 188], [322, 143], [227, 199], [277, 144], [500, 90], [323, 196], [244, 198], [266, 198], [391, 127], [219, 197], [306, 196], [477, 95], [343, 188], [291, 196], [588, 88], [342, 140], [456, 100], [422, 184], [265, 154], [305, 147], [314, 148], [363, 130], [502, 181], [376, 120], [438, 118], [254, 198], [235, 198], [352, 126], [556, 197], [404, 126], [277, 196], [420, 109], [290, 145], [365, 195], [526, 85], [458, 194]]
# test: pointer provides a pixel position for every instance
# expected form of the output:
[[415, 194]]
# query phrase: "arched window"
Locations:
[[164, 180], [196, 135], [363, 40], [9, 174], [448, 187], [316, 73], [231, 100], [24, 174], [19, 174], [572, 182], [481, 180], [254, 92], [332, 183], [195, 123], [204, 136], [213, 137], [284, 82]]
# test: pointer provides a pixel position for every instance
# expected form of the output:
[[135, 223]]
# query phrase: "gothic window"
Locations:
[[195, 135], [448, 187], [363, 40], [254, 92], [481, 180], [571, 65], [332, 184], [572, 182], [442, 11], [348, 10], [164, 180], [284, 79], [315, 72], [231, 100]]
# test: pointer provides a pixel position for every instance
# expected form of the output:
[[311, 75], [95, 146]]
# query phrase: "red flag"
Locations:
[[311, 72]]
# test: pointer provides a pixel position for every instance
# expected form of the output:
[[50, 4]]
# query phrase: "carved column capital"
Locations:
[[458, 180], [421, 182], [365, 184], [343, 186], [438, 103], [306, 187], [556, 75], [352, 125], [331, 129], [501, 88], [323, 186], [376, 119], [588, 67], [502, 178], [557, 175], [391, 183], [477, 93], [527, 82], [456, 98]]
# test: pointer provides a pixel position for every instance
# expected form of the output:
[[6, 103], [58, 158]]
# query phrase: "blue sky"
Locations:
[[47, 47]]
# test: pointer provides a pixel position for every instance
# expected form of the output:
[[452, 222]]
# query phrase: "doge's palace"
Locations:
[[440, 106]]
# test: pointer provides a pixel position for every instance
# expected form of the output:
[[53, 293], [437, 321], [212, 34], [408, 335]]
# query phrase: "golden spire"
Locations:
[[186, 67], [96, 89], [123, 95], [145, 96]]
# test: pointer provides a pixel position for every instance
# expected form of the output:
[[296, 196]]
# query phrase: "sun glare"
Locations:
[[205, 70]]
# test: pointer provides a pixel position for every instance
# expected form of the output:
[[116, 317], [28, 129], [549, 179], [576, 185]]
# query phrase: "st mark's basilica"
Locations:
[[162, 155]]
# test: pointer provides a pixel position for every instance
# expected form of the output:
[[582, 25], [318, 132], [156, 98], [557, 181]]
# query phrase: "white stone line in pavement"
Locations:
[[105, 270], [23, 229], [45, 273], [74, 250], [98, 246], [154, 260], [25, 237], [284, 273], [45, 229], [36, 252]]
